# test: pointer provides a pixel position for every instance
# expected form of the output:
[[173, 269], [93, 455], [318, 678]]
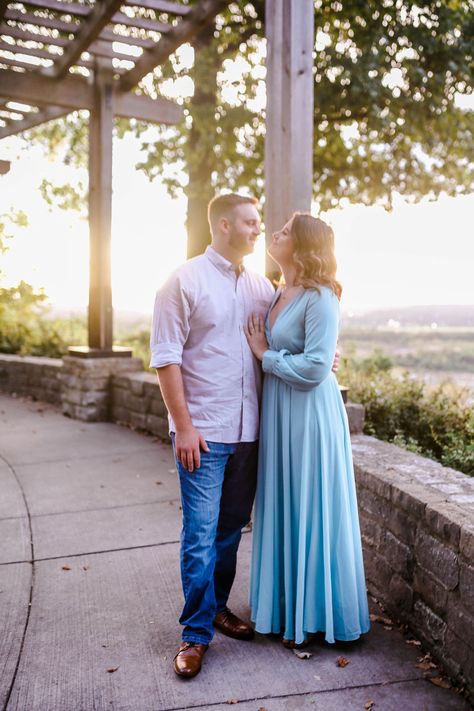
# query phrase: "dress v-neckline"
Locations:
[[295, 298]]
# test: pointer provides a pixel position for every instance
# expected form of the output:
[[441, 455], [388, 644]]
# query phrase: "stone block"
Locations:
[[157, 426], [466, 587], [401, 524], [457, 654], [440, 560], [461, 622], [356, 417], [121, 381], [370, 480], [120, 414], [401, 595], [135, 403], [157, 406], [410, 499], [397, 554], [377, 570], [370, 502], [430, 591], [433, 626], [95, 398], [371, 531], [445, 520], [138, 420], [466, 542], [137, 386]]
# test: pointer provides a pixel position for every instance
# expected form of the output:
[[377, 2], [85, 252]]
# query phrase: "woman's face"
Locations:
[[282, 245]]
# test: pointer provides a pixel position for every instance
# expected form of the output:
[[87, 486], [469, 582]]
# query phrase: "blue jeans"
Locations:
[[217, 502]]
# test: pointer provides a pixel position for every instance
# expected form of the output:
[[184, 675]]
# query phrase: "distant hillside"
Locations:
[[405, 316]]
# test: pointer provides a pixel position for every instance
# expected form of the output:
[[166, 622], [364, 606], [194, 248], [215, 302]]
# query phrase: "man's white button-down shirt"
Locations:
[[198, 324]]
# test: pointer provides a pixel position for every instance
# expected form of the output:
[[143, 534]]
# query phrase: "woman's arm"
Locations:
[[306, 370]]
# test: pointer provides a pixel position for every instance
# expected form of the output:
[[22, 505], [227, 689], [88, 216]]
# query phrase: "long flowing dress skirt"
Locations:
[[307, 571]]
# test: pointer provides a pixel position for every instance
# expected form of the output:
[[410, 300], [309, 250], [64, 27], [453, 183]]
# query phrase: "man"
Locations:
[[211, 384]]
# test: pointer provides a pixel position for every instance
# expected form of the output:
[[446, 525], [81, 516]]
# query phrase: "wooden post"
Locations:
[[289, 115], [100, 208]]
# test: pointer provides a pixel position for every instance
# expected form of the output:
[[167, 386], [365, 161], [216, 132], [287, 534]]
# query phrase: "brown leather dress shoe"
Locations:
[[188, 660], [230, 625]]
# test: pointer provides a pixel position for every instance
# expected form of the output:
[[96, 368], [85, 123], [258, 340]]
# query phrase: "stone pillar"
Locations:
[[86, 385]]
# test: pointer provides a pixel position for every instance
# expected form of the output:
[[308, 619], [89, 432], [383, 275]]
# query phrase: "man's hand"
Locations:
[[188, 444], [336, 361]]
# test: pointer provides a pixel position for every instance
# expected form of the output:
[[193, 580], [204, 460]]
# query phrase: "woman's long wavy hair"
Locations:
[[314, 253]]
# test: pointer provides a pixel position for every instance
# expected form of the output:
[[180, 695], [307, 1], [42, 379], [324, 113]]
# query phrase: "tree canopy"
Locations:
[[387, 118]]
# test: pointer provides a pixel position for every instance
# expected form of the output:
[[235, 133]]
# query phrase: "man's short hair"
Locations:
[[222, 206]]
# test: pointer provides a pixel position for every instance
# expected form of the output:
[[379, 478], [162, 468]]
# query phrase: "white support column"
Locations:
[[289, 115]]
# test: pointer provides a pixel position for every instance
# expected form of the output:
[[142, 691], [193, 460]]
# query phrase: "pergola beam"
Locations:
[[76, 93], [161, 6], [198, 17], [289, 114], [29, 18], [3, 9], [65, 8], [33, 119], [91, 28]]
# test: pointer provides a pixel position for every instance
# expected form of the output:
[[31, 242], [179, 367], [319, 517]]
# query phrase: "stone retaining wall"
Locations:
[[35, 377], [417, 521]]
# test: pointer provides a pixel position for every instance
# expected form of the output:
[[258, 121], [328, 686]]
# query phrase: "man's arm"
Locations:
[[189, 440]]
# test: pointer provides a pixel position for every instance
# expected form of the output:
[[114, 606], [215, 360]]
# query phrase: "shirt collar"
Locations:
[[223, 264]]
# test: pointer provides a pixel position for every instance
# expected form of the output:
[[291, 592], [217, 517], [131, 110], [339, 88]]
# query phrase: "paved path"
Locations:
[[95, 507]]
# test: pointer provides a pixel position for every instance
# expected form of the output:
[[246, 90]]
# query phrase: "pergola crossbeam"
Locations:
[[29, 18], [161, 6], [90, 29], [64, 8], [33, 119], [75, 92], [199, 16]]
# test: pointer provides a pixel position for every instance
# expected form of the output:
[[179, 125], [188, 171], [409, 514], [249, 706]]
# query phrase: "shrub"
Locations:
[[435, 422]]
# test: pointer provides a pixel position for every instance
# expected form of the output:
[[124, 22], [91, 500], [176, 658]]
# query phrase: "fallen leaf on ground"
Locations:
[[414, 642], [426, 662], [262, 708], [439, 681], [381, 619], [342, 662], [369, 705], [66, 567], [302, 655], [425, 665], [111, 670], [388, 627], [85, 567], [232, 701], [158, 482]]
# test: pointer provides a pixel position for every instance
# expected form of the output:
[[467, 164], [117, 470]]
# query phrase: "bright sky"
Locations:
[[418, 254]]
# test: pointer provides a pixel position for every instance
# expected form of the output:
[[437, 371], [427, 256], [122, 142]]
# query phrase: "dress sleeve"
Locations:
[[170, 326], [304, 371]]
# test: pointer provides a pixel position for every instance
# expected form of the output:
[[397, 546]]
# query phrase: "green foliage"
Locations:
[[65, 197], [25, 328], [435, 422]]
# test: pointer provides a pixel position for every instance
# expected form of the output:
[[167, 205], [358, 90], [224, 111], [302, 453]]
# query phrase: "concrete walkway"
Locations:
[[91, 624]]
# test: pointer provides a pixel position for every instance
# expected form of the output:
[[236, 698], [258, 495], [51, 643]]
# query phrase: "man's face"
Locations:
[[244, 229]]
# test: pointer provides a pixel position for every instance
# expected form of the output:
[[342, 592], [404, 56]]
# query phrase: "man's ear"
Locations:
[[224, 225]]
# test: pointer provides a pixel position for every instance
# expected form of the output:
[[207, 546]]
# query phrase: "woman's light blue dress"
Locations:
[[307, 571]]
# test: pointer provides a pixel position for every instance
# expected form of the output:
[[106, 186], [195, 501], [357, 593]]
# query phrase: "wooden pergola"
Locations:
[[58, 56]]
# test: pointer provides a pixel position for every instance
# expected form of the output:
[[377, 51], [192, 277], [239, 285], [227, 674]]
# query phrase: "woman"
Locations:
[[307, 571]]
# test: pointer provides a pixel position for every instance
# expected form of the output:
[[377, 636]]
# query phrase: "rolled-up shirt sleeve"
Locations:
[[170, 325]]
